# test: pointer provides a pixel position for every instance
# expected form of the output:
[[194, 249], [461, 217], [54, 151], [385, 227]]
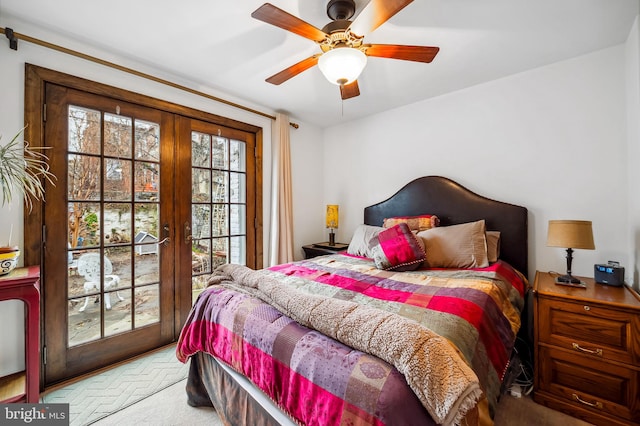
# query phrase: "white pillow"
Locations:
[[361, 242]]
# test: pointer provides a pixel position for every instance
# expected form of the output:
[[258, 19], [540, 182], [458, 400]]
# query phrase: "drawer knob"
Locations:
[[596, 404], [577, 347], [587, 308]]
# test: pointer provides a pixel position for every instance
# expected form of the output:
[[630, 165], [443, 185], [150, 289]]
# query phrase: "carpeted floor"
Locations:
[[150, 390], [525, 411], [169, 408], [112, 390], [166, 408]]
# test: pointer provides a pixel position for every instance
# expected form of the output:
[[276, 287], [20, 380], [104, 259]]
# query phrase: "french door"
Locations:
[[108, 232], [150, 197]]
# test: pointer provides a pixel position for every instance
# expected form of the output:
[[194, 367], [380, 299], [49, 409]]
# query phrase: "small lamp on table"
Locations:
[[570, 234], [332, 222]]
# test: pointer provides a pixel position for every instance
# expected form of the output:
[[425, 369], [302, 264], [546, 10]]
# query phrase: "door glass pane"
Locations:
[[220, 189], [200, 221], [82, 327], [147, 141], [121, 266], [238, 250], [200, 150], [84, 174], [238, 219], [117, 223], [238, 188], [219, 224], [117, 179], [84, 224], [238, 156], [201, 185], [219, 153], [117, 136], [117, 319], [147, 305], [219, 251], [147, 180], [147, 262], [201, 256], [147, 219], [84, 130]]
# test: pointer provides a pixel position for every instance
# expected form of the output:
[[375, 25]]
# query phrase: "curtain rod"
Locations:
[[13, 43]]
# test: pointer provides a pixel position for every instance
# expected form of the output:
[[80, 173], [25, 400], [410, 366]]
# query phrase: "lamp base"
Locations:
[[570, 281]]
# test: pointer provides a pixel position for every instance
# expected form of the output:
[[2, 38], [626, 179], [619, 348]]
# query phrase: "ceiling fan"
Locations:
[[344, 55]]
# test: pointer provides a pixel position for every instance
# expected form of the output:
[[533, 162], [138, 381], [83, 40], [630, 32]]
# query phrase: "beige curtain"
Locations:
[[281, 243]]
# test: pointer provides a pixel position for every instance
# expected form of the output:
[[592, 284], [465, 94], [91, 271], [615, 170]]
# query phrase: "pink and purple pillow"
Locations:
[[398, 249]]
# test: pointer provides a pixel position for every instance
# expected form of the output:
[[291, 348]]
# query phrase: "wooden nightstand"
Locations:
[[320, 249], [587, 350]]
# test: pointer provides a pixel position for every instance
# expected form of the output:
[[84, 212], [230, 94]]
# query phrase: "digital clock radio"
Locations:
[[611, 274]]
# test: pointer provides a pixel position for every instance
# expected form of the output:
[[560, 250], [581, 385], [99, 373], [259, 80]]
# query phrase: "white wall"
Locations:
[[633, 147], [552, 139], [306, 146], [307, 157]]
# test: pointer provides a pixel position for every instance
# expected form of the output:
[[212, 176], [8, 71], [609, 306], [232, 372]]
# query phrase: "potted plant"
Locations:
[[22, 170]]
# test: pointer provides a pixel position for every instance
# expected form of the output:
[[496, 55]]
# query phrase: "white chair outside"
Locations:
[[89, 268]]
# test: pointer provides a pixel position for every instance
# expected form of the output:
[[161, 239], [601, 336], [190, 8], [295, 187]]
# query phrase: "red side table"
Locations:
[[24, 284]]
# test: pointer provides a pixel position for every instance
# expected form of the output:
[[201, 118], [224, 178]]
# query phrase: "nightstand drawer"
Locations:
[[589, 329], [590, 384]]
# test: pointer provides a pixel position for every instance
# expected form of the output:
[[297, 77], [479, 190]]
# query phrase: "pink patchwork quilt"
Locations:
[[456, 326]]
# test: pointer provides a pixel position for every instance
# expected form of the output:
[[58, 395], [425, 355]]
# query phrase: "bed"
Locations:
[[378, 335]]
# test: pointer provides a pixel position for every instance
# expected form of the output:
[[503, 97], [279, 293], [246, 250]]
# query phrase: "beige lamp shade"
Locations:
[[332, 216], [575, 234]]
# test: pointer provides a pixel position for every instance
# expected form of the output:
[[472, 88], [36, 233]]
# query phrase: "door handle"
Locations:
[[167, 236]]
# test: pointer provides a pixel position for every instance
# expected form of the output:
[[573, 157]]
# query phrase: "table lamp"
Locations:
[[570, 234], [332, 222]]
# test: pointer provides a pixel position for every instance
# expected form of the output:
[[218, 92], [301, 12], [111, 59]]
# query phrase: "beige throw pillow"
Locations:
[[493, 246], [456, 246]]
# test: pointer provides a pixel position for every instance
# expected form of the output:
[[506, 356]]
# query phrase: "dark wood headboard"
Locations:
[[454, 204]]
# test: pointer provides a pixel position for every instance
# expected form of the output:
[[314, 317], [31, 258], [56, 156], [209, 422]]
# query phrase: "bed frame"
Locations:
[[237, 400], [454, 204]]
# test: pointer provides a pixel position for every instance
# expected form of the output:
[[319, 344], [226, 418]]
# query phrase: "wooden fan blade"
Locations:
[[350, 90], [272, 15], [376, 13], [406, 53], [293, 70]]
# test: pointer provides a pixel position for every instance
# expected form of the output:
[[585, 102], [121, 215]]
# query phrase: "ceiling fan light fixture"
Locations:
[[342, 65]]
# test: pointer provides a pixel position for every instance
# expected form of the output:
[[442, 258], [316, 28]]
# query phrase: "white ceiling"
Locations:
[[217, 45]]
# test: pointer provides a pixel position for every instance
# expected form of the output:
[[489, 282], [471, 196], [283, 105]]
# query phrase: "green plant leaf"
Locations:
[[23, 169]]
